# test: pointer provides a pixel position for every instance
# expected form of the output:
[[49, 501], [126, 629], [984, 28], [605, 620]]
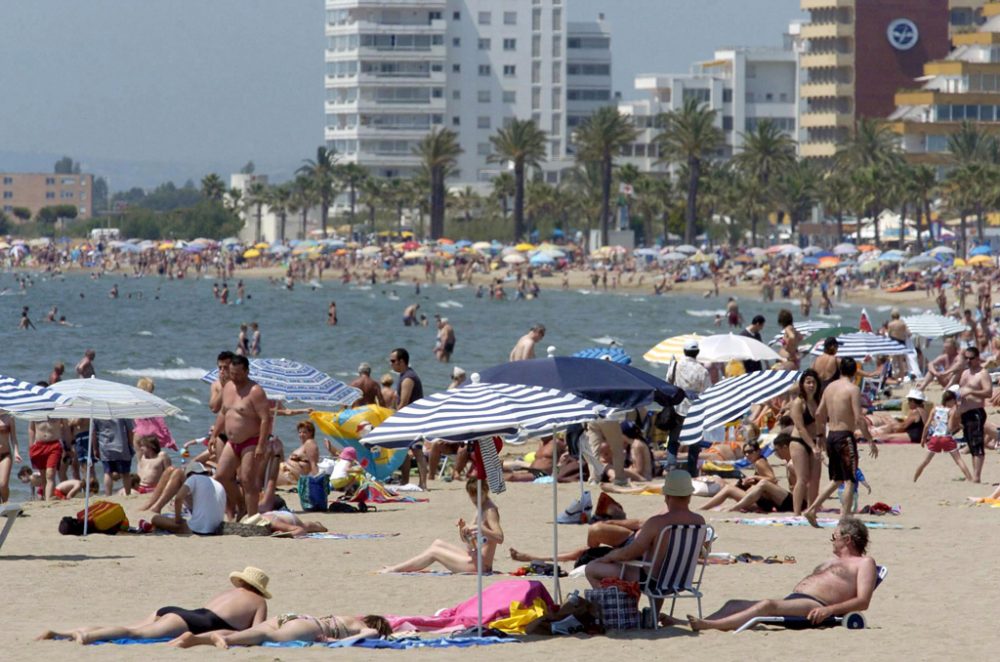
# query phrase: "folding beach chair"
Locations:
[[871, 388], [11, 513], [673, 569], [852, 621]]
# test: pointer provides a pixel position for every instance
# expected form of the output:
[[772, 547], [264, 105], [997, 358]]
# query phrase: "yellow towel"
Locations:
[[520, 617]]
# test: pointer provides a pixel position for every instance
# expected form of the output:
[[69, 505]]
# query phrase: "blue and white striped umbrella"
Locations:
[[103, 400], [932, 325], [282, 379], [806, 328], [512, 411], [731, 398], [17, 396], [861, 344], [613, 354]]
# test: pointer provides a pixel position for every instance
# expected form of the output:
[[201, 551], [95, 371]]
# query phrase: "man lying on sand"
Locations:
[[238, 608], [843, 584], [293, 627]]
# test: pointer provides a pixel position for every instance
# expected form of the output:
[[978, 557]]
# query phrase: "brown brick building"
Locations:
[[37, 190]]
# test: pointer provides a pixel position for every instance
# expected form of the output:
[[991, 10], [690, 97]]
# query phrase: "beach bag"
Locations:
[[105, 517], [619, 609], [314, 491]]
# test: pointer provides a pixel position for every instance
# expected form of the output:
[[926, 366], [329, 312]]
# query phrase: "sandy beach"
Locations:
[[939, 575]]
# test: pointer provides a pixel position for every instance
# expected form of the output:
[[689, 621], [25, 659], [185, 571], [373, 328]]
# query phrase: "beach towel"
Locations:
[[392, 644], [348, 536], [371, 491], [801, 521], [437, 573], [497, 598]]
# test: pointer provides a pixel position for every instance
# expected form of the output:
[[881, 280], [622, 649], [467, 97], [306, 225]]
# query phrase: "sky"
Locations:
[[144, 91]]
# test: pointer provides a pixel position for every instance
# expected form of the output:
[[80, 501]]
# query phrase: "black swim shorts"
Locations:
[[974, 430], [198, 621], [842, 451]]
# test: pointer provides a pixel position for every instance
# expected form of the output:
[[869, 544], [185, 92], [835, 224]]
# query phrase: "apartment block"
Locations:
[[37, 190]]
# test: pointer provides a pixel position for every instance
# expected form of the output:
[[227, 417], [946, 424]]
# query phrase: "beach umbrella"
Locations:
[[19, 396], [524, 247], [670, 349], [805, 328], [482, 246], [812, 251], [845, 249], [702, 257], [673, 256], [939, 250], [728, 346], [463, 243], [932, 325], [984, 249], [262, 245], [827, 332], [251, 253], [980, 261], [756, 251], [810, 261], [730, 399], [539, 259], [280, 249], [282, 379], [613, 354], [347, 426], [686, 248], [959, 263], [869, 266], [861, 344], [513, 258], [646, 252], [921, 262], [892, 256], [829, 262], [552, 252], [368, 251]]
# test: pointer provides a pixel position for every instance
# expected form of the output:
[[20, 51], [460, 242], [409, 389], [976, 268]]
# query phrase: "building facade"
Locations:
[[964, 86], [36, 190], [743, 86], [396, 69], [856, 53]]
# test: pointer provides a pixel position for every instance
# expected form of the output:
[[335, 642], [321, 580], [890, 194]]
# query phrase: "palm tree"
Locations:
[[397, 192], [648, 203], [598, 140], [972, 153], [279, 201], [796, 191], [322, 171], [351, 175], [466, 203], [257, 196], [371, 190], [835, 194], [233, 201], [924, 182], [767, 151], [303, 199], [689, 137], [439, 151], [872, 145], [212, 187], [503, 189], [586, 182], [523, 144]]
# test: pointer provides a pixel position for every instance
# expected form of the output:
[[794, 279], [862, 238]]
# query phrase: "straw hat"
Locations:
[[252, 577], [678, 484]]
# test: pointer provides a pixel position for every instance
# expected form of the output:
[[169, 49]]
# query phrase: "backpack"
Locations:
[[104, 517], [314, 491]]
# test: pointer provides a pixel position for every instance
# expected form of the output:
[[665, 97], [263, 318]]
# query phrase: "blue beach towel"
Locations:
[[393, 644]]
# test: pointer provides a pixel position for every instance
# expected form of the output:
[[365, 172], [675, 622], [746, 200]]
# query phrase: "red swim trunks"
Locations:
[[941, 444], [45, 454], [145, 489], [242, 447]]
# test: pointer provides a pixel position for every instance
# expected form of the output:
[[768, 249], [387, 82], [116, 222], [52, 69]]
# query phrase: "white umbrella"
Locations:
[[811, 250], [805, 328], [670, 349], [932, 325], [674, 256], [845, 249], [283, 379], [514, 258], [686, 248], [729, 346]]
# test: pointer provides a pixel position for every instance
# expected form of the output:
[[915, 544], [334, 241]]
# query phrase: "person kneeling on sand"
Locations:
[[843, 584], [238, 608], [203, 497], [293, 627]]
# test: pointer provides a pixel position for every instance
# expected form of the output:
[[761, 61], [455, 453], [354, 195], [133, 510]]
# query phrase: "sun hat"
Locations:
[[956, 389], [349, 454], [691, 346], [194, 468], [678, 484], [252, 577], [457, 372], [916, 394]]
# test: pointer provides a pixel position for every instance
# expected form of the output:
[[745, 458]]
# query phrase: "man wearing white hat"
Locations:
[[203, 497], [686, 373]]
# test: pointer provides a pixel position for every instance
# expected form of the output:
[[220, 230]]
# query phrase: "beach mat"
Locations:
[[348, 536], [824, 523], [436, 573], [392, 644]]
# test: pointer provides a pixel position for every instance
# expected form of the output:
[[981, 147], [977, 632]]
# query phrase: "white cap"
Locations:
[[691, 346], [916, 394]]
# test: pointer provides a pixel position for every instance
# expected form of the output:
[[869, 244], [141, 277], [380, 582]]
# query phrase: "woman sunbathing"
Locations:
[[737, 491], [293, 627], [455, 558]]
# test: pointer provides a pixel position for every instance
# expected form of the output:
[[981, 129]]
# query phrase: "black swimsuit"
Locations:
[[807, 420], [198, 621]]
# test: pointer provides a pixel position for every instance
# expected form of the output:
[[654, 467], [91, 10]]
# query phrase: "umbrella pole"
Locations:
[[555, 535], [90, 468], [479, 554]]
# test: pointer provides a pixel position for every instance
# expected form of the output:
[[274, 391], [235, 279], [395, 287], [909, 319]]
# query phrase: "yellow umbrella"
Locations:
[[4, 245], [252, 253], [349, 423], [959, 262], [263, 245], [414, 255], [524, 247], [166, 246], [980, 260], [670, 349]]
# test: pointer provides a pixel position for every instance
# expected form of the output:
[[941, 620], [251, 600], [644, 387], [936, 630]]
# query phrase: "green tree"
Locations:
[[279, 202], [322, 171], [523, 144], [99, 195], [466, 203], [248, 169], [924, 188], [212, 187], [438, 151], [21, 213], [835, 194], [649, 204], [303, 198], [372, 189], [351, 175], [766, 151], [689, 137], [598, 140], [503, 190], [796, 190], [257, 197], [873, 146], [66, 166]]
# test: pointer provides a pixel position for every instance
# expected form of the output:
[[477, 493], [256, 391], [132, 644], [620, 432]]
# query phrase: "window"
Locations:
[[588, 69], [588, 95], [556, 46], [536, 19], [66, 195], [7, 195], [483, 149], [727, 95], [484, 70], [83, 210], [483, 122], [509, 96], [456, 121], [8, 180], [456, 42], [510, 44], [50, 195], [556, 124], [508, 122], [536, 46], [484, 96], [484, 44], [556, 98], [727, 122], [769, 97], [456, 68], [700, 95], [536, 72], [456, 16], [509, 70], [552, 177], [595, 43], [456, 94], [536, 98], [556, 18], [485, 18], [557, 72], [555, 146], [510, 18], [50, 181], [437, 93], [68, 181]]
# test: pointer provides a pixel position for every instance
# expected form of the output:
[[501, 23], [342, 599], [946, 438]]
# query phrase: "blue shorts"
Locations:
[[81, 449], [120, 467]]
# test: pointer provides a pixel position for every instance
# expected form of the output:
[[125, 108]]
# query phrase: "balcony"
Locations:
[[408, 53], [807, 5], [825, 120], [818, 150], [369, 79], [826, 30], [823, 90], [429, 5], [826, 60], [976, 39]]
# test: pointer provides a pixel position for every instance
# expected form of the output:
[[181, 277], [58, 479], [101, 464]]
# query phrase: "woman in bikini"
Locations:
[[9, 454], [790, 339], [293, 627], [738, 491], [462, 559], [804, 447], [911, 428]]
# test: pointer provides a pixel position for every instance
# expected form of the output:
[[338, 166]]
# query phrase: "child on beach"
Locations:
[[66, 489], [152, 462], [937, 437]]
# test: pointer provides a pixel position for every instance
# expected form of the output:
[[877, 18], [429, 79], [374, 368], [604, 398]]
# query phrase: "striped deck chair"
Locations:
[[673, 570], [852, 621], [10, 513]]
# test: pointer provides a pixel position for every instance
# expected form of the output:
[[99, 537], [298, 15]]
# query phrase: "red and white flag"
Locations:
[[865, 324]]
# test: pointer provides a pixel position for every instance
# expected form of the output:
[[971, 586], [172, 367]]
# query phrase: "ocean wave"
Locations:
[[190, 398], [178, 374], [144, 333], [705, 313], [449, 304]]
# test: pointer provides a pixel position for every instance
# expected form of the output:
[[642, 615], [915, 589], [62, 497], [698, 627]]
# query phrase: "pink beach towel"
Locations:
[[496, 604]]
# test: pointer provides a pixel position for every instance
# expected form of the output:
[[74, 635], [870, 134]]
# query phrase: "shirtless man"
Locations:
[[215, 394], [238, 608], [898, 331], [525, 347], [410, 315], [446, 340], [519, 471], [246, 419], [85, 368], [945, 368], [975, 387], [840, 407], [45, 448], [843, 584], [825, 364]]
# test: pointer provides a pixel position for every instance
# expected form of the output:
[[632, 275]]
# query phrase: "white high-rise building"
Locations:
[[395, 69]]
